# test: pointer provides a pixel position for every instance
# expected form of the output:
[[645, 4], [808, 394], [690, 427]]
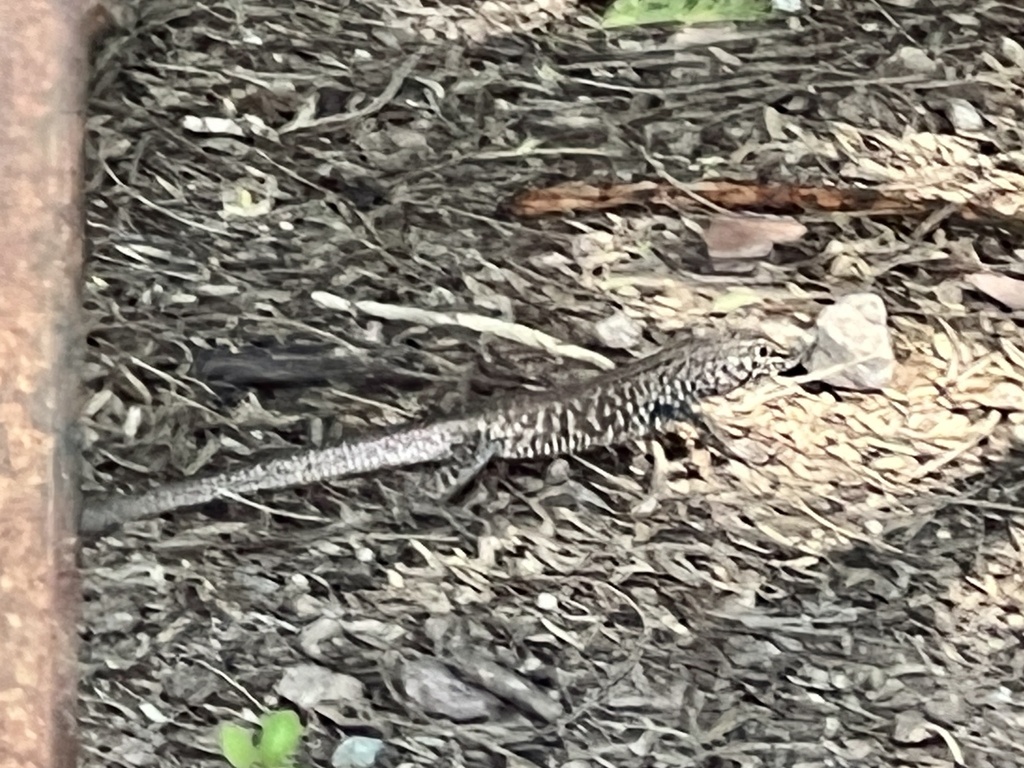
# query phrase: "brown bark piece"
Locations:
[[728, 195]]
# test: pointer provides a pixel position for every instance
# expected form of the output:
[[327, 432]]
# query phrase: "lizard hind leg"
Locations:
[[432, 489], [450, 481], [436, 489]]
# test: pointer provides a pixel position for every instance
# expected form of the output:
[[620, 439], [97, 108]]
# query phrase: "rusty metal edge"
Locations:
[[42, 84]]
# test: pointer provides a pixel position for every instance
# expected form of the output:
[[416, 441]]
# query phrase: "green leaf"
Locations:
[[624, 13], [733, 300], [279, 739], [237, 747]]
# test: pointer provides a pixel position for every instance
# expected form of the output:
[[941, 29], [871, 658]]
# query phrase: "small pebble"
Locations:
[[356, 752], [964, 116]]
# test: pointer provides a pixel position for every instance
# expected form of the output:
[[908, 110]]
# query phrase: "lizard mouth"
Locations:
[[797, 363], [797, 368]]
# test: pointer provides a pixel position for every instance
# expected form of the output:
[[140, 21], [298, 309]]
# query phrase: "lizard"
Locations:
[[632, 402]]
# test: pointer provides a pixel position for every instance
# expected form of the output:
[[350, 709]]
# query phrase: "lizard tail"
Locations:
[[403, 448]]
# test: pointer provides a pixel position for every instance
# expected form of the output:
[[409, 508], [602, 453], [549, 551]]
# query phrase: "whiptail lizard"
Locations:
[[632, 402]]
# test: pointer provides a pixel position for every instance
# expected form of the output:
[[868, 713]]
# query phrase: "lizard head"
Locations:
[[742, 359]]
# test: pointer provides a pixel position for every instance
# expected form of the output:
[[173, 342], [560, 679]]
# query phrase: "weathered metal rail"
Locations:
[[42, 75]]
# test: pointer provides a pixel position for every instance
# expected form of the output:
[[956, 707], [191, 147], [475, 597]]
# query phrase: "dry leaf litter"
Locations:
[[853, 597]]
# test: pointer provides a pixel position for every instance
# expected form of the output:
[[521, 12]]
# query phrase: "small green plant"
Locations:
[[280, 733], [627, 13]]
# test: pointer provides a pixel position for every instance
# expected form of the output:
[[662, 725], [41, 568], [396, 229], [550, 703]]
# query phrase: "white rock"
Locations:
[[852, 333]]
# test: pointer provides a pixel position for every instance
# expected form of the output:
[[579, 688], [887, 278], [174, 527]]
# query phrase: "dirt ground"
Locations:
[[292, 180]]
